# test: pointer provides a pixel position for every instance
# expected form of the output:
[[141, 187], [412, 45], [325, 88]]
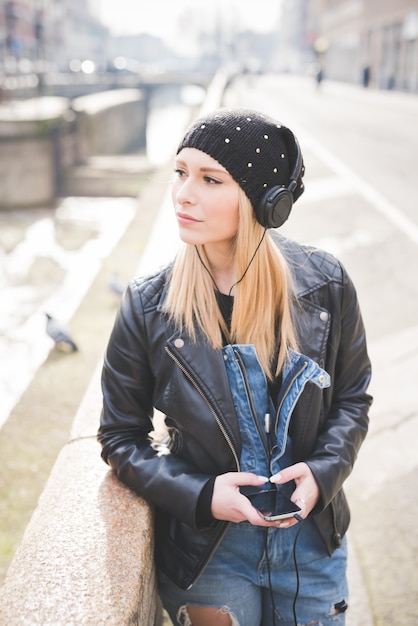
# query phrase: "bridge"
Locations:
[[76, 84]]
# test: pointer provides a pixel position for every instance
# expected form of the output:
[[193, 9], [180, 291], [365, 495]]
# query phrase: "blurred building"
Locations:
[[295, 47], [362, 41], [39, 36], [45, 35]]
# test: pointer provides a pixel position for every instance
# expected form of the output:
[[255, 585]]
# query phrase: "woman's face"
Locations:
[[205, 199]]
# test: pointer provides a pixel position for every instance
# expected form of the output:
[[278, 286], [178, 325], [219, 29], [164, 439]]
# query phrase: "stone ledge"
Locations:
[[87, 554]]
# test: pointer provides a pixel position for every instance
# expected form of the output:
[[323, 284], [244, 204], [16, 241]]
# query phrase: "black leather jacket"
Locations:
[[150, 364]]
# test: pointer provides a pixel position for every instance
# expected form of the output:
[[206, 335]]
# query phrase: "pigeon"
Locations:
[[60, 335]]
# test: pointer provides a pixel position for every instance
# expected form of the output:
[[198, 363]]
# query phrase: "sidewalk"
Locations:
[[382, 487]]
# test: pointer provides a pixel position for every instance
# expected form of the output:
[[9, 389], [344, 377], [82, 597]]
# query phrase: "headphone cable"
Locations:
[[246, 269], [300, 519], [266, 550], [295, 561], [251, 260]]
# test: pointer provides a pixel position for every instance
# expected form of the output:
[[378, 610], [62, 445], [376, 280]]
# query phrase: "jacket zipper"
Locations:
[[206, 399], [261, 433], [228, 440]]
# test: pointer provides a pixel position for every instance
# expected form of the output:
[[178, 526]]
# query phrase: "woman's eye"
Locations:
[[179, 172], [212, 181]]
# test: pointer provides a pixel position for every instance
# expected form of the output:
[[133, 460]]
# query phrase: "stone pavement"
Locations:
[[382, 489], [383, 536], [366, 219]]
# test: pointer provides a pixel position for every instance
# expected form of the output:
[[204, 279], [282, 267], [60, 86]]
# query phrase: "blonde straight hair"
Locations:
[[262, 311]]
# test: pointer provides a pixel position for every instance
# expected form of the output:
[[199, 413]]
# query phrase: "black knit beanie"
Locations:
[[256, 150]]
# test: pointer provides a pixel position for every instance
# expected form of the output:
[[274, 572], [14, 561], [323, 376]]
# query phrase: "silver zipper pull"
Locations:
[[267, 422]]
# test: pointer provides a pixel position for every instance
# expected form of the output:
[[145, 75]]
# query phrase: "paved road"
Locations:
[[359, 148], [360, 153]]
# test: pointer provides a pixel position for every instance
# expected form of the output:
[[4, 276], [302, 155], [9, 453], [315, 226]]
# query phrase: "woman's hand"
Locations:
[[306, 494], [229, 504]]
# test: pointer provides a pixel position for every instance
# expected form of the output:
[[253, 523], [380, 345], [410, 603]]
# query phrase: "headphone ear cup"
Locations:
[[274, 207]]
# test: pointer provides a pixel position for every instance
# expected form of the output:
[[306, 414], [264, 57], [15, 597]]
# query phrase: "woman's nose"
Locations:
[[185, 193]]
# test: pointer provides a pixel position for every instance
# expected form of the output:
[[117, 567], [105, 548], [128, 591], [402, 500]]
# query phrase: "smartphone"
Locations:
[[273, 504]]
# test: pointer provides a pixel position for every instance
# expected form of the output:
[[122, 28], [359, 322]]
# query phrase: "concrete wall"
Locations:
[[41, 137], [110, 122], [87, 553], [27, 131]]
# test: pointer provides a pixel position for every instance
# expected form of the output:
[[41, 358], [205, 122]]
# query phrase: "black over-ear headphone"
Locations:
[[274, 207]]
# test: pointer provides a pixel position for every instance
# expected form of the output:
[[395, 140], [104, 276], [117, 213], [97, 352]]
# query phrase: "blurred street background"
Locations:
[[77, 212]]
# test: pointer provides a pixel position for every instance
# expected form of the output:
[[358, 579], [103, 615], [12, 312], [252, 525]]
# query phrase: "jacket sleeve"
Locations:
[[346, 422], [165, 480]]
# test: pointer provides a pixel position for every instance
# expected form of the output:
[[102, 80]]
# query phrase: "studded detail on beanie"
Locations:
[[257, 151]]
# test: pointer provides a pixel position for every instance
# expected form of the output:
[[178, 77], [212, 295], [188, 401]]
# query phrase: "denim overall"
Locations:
[[250, 558]]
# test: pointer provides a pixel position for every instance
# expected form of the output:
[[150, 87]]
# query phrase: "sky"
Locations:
[[166, 18]]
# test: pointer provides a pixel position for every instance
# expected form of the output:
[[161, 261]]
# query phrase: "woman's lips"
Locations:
[[183, 218]]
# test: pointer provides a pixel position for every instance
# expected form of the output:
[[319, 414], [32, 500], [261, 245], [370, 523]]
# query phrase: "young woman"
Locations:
[[253, 348]]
